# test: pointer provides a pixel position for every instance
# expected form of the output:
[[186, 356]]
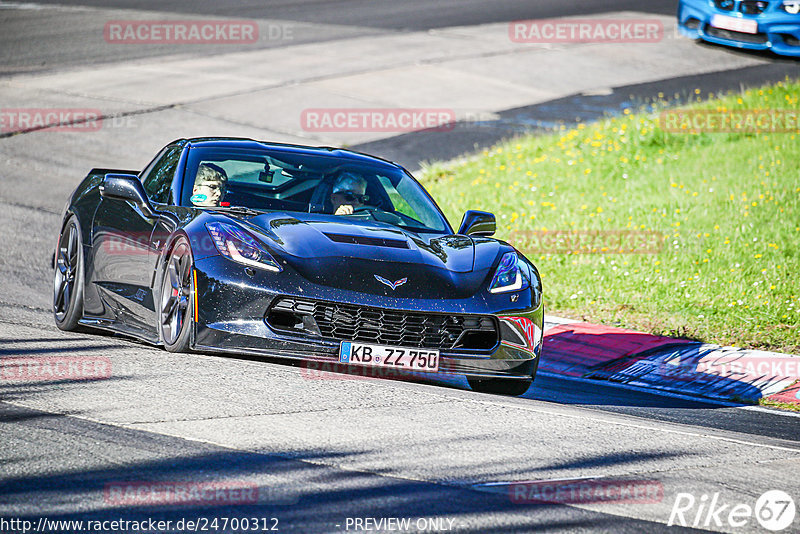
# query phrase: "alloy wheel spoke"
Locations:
[[72, 247], [169, 306], [59, 301], [185, 270], [175, 325], [63, 260], [173, 277], [67, 295]]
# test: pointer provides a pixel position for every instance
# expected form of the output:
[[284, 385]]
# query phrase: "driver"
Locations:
[[348, 193], [210, 185]]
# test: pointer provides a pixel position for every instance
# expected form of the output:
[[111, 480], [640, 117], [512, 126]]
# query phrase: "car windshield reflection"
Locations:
[[242, 180]]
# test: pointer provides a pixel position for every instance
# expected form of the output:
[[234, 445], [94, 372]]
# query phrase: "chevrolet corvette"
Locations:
[[320, 254]]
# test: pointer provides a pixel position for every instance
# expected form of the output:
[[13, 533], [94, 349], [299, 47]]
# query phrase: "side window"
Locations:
[[158, 182]]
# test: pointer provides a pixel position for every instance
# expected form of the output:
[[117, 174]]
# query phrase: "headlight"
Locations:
[[240, 246], [791, 6], [510, 276]]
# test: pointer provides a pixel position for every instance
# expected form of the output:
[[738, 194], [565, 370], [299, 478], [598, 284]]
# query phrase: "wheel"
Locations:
[[68, 278], [177, 296], [500, 386]]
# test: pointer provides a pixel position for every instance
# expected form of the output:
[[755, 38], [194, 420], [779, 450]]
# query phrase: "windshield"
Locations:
[[285, 181]]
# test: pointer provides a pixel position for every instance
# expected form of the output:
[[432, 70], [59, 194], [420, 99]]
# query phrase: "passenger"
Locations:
[[210, 185]]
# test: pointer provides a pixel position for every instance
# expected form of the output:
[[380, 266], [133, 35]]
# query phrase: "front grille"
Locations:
[[753, 7], [347, 322], [725, 5], [755, 38]]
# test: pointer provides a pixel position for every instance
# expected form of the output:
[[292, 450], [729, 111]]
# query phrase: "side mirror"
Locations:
[[480, 223], [126, 187]]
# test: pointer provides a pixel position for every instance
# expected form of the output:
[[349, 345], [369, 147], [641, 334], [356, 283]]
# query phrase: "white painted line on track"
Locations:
[[30, 6]]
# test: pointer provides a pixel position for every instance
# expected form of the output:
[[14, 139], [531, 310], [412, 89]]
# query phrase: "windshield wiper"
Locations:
[[243, 210]]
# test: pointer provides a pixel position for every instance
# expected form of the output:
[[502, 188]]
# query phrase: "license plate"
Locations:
[[734, 24], [394, 357]]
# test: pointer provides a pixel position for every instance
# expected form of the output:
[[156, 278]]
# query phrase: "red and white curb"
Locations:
[[590, 351]]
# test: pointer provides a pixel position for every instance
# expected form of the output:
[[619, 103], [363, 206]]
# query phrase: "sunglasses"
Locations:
[[353, 197]]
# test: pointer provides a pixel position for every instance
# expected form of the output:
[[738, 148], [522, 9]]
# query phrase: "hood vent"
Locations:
[[364, 240]]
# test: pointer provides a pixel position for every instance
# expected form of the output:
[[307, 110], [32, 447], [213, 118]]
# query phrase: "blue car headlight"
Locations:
[[242, 247], [510, 275]]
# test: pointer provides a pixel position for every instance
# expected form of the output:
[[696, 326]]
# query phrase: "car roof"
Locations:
[[252, 144]]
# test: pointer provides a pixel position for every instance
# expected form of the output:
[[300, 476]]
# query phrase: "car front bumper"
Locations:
[[232, 305], [777, 31]]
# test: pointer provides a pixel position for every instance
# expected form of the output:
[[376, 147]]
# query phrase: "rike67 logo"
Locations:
[[774, 510]]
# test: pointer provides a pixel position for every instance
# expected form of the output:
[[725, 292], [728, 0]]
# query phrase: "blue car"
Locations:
[[751, 24]]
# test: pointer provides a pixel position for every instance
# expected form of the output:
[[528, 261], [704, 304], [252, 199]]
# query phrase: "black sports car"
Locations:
[[322, 254]]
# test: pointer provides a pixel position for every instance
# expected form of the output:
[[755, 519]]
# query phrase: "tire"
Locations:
[[176, 302], [68, 278], [500, 386]]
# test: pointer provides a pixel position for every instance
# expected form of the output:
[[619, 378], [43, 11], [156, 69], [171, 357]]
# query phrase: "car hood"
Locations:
[[356, 255]]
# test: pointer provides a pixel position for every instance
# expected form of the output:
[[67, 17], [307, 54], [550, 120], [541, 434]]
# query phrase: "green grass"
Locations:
[[779, 405], [723, 208]]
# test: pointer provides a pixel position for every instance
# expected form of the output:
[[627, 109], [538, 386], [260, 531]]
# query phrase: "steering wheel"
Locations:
[[364, 208]]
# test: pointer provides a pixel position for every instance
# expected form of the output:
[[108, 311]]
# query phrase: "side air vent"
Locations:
[[790, 40]]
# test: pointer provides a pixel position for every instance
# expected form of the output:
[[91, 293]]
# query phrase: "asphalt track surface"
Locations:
[[36, 39], [324, 450], [387, 14]]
